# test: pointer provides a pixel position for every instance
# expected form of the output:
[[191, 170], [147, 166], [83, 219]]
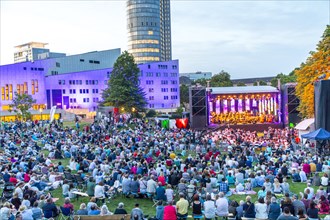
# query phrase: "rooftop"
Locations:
[[32, 44], [243, 89]]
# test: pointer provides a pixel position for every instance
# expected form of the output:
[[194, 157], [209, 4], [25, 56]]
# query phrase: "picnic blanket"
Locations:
[[233, 191]]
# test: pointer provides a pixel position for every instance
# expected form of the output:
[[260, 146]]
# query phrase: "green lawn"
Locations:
[[146, 204]]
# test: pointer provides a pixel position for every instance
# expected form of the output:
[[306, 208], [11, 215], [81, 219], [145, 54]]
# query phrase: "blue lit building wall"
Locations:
[[83, 89], [160, 81]]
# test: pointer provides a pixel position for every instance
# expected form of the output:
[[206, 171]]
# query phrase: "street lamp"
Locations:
[[40, 113]]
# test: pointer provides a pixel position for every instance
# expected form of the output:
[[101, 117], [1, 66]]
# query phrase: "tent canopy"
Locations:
[[305, 124], [318, 135]]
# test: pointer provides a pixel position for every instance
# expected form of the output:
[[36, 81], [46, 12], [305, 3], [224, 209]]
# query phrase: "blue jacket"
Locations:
[[274, 211]]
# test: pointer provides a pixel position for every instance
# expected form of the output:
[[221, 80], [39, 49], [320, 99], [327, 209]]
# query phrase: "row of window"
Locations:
[[164, 89], [150, 74], [163, 82], [78, 82], [173, 97], [7, 90], [34, 69], [85, 100]]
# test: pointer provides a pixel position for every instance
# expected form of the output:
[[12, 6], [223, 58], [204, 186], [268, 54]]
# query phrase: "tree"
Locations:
[[184, 94], [261, 83], [241, 84], [21, 105], [317, 63], [123, 86], [283, 78], [221, 79], [202, 82]]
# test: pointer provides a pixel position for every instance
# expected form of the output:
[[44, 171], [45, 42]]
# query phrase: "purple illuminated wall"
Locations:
[[160, 81]]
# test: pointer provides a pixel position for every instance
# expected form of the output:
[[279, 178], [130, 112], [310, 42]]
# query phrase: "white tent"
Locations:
[[305, 126]]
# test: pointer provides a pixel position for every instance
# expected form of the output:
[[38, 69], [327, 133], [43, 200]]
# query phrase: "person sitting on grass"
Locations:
[[94, 210], [120, 209], [68, 204], [324, 205], [137, 213], [82, 210], [286, 215]]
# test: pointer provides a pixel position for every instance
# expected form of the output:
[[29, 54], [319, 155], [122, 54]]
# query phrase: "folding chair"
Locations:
[[155, 202], [80, 181], [65, 213]]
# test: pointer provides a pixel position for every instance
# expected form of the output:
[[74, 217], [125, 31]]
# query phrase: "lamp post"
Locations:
[[40, 113]]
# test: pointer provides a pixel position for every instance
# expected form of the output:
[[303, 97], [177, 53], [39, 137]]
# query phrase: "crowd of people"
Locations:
[[184, 172]]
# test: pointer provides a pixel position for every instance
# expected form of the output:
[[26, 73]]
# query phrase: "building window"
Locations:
[[158, 74], [58, 64], [62, 82], [165, 74], [72, 91], [82, 60], [166, 97], [108, 74], [164, 82], [151, 98], [174, 74], [41, 69], [148, 66], [174, 82], [149, 82], [95, 90], [174, 89], [25, 88], [174, 67], [164, 89], [32, 87], [96, 62], [63, 91], [85, 100], [151, 105], [95, 99], [174, 97], [3, 93], [24, 68], [149, 74], [91, 61], [151, 89]]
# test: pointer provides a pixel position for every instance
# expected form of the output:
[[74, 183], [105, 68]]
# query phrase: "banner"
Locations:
[[52, 113]]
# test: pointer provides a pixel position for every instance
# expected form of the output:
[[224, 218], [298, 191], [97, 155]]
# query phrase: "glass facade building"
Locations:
[[149, 30]]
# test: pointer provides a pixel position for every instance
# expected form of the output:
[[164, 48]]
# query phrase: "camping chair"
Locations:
[[80, 181], [48, 214], [65, 213]]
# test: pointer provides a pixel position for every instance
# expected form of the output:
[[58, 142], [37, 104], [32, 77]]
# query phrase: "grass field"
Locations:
[[146, 204]]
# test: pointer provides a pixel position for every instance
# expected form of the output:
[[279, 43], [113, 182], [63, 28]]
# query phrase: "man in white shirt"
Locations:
[[99, 191], [151, 185], [221, 205]]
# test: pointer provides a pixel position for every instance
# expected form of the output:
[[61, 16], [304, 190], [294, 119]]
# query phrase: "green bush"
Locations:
[[151, 113]]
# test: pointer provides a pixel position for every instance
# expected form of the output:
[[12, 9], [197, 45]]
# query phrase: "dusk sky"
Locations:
[[244, 38]]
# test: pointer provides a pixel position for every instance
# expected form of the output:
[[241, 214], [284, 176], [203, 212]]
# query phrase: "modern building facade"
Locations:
[[74, 82], [33, 51], [149, 30]]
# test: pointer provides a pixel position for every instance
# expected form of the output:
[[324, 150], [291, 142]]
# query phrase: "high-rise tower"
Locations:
[[149, 30]]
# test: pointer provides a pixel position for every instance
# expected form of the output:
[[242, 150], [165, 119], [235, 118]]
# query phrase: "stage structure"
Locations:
[[244, 105], [198, 107]]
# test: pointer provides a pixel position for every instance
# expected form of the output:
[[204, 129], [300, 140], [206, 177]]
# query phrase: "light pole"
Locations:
[[40, 114]]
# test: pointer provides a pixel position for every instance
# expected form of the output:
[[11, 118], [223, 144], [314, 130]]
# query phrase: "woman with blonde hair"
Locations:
[[277, 187]]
